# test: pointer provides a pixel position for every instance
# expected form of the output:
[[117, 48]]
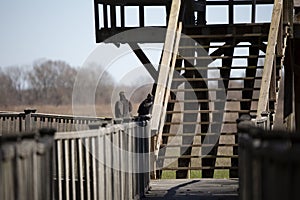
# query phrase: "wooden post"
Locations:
[[28, 112]]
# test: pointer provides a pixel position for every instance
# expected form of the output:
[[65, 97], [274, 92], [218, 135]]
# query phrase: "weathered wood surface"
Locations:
[[165, 65], [269, 60], [208, 189], [104, 163]]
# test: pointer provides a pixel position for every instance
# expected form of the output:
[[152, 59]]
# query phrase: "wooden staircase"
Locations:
[[217, 78]]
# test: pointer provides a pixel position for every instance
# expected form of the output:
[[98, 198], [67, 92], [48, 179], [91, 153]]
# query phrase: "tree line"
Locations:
[[47, 82]]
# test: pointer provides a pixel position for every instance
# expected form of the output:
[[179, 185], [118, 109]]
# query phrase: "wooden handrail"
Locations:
[[165, 65], [168, 87], [269, 60]]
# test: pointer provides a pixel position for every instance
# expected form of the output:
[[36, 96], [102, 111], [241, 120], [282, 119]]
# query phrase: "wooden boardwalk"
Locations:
[[192, 189]]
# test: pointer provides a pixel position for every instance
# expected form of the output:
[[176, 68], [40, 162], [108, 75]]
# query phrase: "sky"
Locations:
[[43, 29], [64, 30]]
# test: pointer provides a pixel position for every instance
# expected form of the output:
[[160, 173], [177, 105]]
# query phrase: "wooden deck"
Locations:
[[178, 189]]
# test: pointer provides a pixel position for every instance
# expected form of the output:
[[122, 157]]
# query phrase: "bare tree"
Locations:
[[18, 78], [6, 89], [52, 81]]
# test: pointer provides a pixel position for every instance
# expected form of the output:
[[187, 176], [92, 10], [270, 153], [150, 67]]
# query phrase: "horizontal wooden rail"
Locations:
[[12, 122]]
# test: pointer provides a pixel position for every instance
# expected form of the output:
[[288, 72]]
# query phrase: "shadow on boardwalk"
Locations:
[[192, 189]]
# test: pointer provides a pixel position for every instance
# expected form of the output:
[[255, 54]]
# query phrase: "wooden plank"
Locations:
[[73, 169], [115, 165], [210, 111], [59, 168], [168, 87], [67, 169], [196, 145], [108, 169], [270, 54], [215, 89], [199, 168], [164, 67], [94, 169], [80, 169], [87, 167], [199, 156]]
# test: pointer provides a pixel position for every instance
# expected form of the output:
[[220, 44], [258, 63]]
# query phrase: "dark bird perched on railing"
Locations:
[[145, 108]]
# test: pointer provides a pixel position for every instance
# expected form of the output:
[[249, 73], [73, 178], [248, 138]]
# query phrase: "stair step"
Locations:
[[214, 89], [217, 79], [191, 156], [199, 123], [199, 168], [213, 101], [218, 29], [210, 111], [197, 145], [220, 67], [213, 36], [206, 57], [225, 46], [198, 134]]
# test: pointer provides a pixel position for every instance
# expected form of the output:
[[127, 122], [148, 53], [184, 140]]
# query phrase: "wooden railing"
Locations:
[[265, 157], [110, 162], [13, 122], [106, 163], [26, 166]]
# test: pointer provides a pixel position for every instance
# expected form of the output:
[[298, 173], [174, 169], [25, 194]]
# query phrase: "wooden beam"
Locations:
[[270, 54], [165, 65], [144, 59]]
